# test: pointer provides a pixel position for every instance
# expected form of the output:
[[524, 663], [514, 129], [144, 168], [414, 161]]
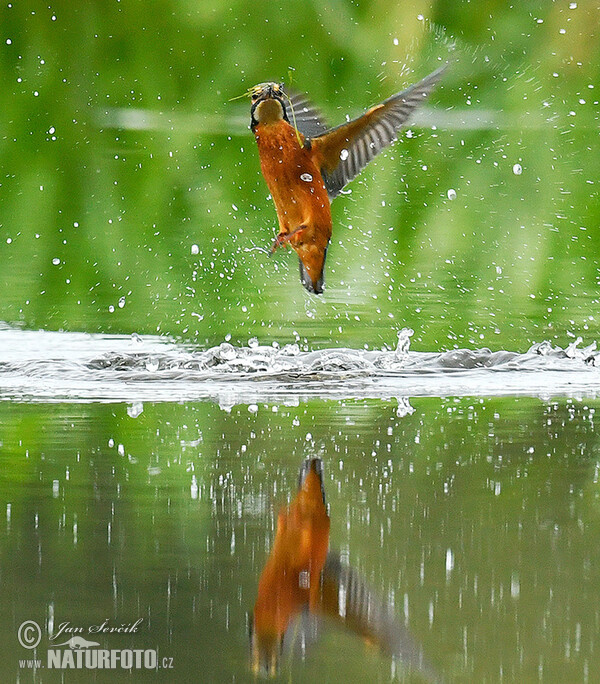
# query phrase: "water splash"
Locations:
[[58, 366], [403, 345]]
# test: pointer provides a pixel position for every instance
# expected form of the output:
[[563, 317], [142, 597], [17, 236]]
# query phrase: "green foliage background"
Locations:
[[120, 150]]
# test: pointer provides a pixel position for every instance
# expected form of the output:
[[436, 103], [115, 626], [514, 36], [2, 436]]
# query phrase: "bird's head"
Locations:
[[268, 103]]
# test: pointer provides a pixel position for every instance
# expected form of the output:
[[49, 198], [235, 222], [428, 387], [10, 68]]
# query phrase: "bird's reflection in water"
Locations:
[[304, 583]]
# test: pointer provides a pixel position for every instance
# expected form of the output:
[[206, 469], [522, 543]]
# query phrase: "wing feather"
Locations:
[[309, 120], [344, 151]]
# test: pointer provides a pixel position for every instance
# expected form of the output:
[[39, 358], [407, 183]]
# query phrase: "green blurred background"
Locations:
[[120, 151]]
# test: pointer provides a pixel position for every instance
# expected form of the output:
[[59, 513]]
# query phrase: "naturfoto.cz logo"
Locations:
[[81, 653]]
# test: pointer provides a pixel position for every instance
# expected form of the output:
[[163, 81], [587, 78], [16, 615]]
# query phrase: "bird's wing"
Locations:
[[344, 151], [346, 597], [307, 118]]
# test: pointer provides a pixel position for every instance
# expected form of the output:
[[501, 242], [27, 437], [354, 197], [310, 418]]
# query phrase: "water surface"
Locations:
[[473, 518], [55, 366]]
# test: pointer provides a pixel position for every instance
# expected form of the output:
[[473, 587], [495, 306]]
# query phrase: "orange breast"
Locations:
[[293, 178], [290, 578]]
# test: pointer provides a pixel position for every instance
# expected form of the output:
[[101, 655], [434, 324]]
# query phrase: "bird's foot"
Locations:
[[283, 238], [279, 242]]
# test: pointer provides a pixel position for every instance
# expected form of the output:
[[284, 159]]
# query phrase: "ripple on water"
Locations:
[[55, 366]]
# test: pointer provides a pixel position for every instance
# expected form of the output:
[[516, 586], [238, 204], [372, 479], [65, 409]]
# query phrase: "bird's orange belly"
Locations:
[[293, 179]]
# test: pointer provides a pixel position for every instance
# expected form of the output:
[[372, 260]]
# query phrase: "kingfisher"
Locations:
[[306, 164], [304, 584], [291, 578]]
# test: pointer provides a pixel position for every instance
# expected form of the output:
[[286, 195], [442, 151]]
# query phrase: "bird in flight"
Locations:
[[306, 164]]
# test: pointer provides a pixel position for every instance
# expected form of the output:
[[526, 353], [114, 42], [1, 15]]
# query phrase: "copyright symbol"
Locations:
[[29, 634]]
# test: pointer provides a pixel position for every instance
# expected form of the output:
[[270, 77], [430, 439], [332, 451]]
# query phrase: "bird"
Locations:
[[306, 164], [305, 585], [290, 579]]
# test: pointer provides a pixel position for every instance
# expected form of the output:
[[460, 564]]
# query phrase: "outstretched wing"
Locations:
[[307, 118], [344, 151], [352, 603]]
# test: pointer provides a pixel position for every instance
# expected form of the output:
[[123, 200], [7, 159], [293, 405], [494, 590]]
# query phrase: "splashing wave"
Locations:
[[77, 366]]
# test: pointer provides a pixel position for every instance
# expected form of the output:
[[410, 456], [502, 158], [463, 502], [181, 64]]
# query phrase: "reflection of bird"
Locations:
[[348, 599], [290, 579], [303, 582], [306, 165]]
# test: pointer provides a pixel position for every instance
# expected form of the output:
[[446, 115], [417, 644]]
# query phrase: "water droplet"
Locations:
[[404, 336], [253, 343], [195, 249], [306, 177], [449, 561], [121, 302], [451, 194], [304, 579], [344, 154], [152, 365], [226, 352], [517, 169], [135, 409], [404, 407]]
